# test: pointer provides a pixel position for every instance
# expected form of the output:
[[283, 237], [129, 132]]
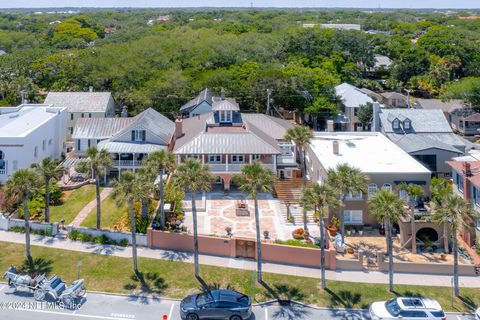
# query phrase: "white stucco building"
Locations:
[[28, 134]]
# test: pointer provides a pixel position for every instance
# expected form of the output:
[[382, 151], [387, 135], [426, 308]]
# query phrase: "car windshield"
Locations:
[[392, 307], [243, 300], [203, 299]]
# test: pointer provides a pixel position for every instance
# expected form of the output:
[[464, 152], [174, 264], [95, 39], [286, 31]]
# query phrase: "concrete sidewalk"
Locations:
[[349, 276]]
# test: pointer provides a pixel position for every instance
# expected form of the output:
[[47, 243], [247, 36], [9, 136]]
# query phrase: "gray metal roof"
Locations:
[[99, 128], [227, 143], [423, 141], [204, 95], [382, 61], [80, 101], [274, 127], [154, 122], [129, 147], [352, 97], [423, 120], [228, 104], [445, 106]]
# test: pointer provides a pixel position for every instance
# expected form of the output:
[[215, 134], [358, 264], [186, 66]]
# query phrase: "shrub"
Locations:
[[103, 239], [74, 234], [85, 237], [17, 229], [123, 243], [296, 243]]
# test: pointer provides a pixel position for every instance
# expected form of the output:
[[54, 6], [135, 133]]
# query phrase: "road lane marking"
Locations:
[[3, 287], [266, 313], [459, 318], [68, 314], [170, 313], [122, 315]]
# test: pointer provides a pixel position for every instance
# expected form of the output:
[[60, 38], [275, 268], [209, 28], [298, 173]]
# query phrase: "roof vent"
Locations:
[[335, 147], [15, 115]]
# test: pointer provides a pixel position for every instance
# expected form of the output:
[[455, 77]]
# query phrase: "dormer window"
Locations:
[[396, 124], [407, 124], [225, 116]]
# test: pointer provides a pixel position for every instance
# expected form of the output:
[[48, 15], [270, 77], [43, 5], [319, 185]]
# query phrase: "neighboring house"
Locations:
[[200, 105], [128, 140], [381, 62], [83, 105], [385, 164], [341, 26], [466, 182], [448, 106], [226, 140], [2, 52], [465, 121], [424, 134], [351, 99], [394, 100], [28, 134]]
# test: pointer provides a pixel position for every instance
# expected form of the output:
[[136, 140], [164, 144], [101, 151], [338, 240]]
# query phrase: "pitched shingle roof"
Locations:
[[80, 101]]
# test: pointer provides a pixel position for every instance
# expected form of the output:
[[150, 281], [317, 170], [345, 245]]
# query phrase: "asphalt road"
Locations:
[[22, 306]]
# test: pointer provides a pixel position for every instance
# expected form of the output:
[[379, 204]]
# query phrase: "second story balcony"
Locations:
[[234, 167]]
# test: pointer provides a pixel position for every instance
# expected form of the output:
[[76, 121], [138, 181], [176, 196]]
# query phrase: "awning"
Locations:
[[419, 182]]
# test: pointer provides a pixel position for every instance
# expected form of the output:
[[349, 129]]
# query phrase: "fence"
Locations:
[[112, 235]]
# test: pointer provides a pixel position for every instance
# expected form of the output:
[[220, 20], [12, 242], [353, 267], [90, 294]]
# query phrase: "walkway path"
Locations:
[[350, 276], [82, 215]]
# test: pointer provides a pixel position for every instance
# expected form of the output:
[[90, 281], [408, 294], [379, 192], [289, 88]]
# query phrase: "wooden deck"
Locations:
[[289, 191]]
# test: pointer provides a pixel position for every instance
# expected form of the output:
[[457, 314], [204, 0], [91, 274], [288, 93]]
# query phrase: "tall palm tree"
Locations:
[[129, 188], [413, 191], [440, 189], [98, 161], [160, 161], [194, 177], [348, 180], [388, 209], [256, 178], [301, 136], [321, 198], [146, 176], [48, 169], [457, 213], [21, 186]]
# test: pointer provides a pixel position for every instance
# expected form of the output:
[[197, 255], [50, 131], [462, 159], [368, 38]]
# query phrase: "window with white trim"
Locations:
[[237, 158], [353, 216], [354, 196], [286, 149], [406, 124], [225, 116], [387, 186], [193, 156], [256, 157], [218, 180], [403, 195], [396, 124], [372, 190], [214, 158], [139, 135]]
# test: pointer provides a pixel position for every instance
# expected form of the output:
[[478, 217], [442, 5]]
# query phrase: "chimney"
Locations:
[[90, 89], [330, 126], [124, 112], [178, 127], [467, 169], [375, 117], [335, 147], [223, 94]]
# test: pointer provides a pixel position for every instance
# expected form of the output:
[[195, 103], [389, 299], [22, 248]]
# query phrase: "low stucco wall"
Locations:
[[308, 257], [8, 223], [427, 268], [113, 235], [349, 264]]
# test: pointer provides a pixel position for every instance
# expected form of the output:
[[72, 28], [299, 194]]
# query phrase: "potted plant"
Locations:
[[360, 231], [443, 257], [229, 231], [333, 226], [298, 234], [348, 229], [266, 234]]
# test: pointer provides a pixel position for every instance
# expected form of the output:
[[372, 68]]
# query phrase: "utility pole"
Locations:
[[408, 97], [269, 93], [22, 94]]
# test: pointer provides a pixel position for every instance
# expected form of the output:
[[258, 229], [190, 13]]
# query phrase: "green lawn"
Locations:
[[175, 279], [111, 214], [73, 202]]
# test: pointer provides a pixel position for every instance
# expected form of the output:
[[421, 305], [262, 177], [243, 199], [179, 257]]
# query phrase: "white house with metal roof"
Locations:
[[28, 134], [385, 164], [82, 105], [351, 99], [227, 139], [128, 140], [424, 134]]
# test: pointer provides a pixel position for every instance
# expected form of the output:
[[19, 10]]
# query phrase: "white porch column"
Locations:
[[274, 163], [251, 156], [226, 162], [134, 161], [178, 159], [203, 159]]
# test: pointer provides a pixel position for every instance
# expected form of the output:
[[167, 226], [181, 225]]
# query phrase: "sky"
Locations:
[[243, 3]]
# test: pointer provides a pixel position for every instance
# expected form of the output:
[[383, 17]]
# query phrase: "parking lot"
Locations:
[[22, 306]]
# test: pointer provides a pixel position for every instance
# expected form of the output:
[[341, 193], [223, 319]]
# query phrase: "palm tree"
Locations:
[[457, 213], [97, 163], [321, 198], [194, 177], [348, 180], [21, 186], [256, 178], [413, 191], [160, 161], [440, 189], [301, 136], [388, 209], [48, 169], [129, 188], [146, 176]]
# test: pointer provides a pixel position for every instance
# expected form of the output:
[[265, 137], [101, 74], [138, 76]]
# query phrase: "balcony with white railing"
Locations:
[[127, 163], [286, 160], [234, 167]]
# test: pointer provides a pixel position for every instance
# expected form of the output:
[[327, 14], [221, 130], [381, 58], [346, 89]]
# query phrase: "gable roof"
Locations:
[[152, 121], [382, 61], [80, 101], [423, 121], [352, 97], [445, 106], [204, 95], [99, 128], [275, 127], [393, 95], [219, 104]]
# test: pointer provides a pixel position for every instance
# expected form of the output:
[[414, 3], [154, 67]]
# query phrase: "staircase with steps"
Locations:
[[289, 192]]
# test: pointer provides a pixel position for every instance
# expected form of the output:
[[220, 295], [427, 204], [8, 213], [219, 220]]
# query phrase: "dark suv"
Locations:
[[216, 304]]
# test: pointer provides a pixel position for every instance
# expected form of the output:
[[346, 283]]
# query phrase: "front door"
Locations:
[[245, 249]]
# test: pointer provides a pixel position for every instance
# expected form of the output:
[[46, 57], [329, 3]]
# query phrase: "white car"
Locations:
[[407, 308], [477, 314]]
